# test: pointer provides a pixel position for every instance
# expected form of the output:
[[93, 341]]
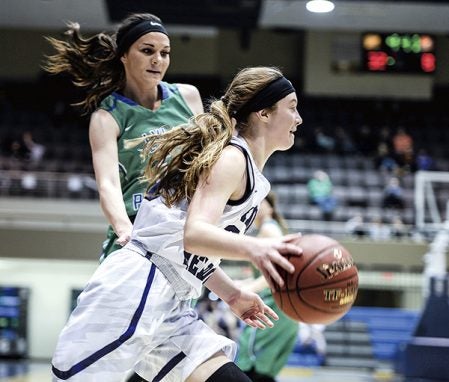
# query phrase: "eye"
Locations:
[[147, 51], [165, 54]]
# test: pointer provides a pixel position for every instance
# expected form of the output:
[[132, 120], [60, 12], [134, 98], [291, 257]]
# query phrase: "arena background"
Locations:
[[50, 234]]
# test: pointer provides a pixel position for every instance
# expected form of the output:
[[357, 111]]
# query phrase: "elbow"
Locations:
[[189, 239]]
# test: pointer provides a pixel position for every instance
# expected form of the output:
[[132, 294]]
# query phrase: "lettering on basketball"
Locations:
[[199, 266], [343, 296], [338, 265]]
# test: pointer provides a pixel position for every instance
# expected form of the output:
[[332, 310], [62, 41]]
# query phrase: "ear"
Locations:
[[263, 115], [123, 59]]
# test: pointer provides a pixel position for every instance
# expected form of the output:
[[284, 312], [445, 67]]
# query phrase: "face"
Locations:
[[283, 122], [147, 59]]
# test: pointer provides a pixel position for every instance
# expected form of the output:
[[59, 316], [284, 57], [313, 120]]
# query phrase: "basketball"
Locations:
[[324, 285]]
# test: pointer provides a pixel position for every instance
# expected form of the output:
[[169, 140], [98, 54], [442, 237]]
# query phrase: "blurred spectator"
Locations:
[[402, 142], [398, 229], [216, 314], [403, 150], [384, 160], [378, 231], [320, 193], [344, 143], [424, 161], [35, 150], [407, 162], [393, 194], [324, 142], [355, 226]]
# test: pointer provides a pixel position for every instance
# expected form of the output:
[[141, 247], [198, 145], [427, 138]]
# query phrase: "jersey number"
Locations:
[[245, 222]]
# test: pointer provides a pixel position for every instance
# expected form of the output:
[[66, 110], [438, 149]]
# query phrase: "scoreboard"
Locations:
[[13, 321], [398, 53]]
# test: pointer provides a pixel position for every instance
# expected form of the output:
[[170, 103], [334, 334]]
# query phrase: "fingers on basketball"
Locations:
[[324, 285]]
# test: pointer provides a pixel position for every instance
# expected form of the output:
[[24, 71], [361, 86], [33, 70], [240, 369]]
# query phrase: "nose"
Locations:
[[298, 118], [155, 59]]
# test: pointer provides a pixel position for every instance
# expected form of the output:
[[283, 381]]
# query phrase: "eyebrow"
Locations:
[[153, 46]]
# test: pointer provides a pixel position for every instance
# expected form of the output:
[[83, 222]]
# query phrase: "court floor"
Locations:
[[40, 372]]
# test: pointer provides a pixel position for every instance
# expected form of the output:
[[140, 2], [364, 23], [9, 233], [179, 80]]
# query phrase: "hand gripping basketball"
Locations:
[[324, 285]]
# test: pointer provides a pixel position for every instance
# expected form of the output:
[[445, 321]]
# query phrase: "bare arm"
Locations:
[[247, 306], [202, 235], [192, 97], [258, 284], [103, 133]]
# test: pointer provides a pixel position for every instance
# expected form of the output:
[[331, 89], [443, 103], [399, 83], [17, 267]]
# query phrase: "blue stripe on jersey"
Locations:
[[80, 366], [166, 92], [169, 366], [124, 99]]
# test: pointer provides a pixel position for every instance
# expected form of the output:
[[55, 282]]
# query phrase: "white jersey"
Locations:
[[159, 230]]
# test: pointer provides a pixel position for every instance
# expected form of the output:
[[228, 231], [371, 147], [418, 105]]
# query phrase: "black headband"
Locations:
[[268, 96], [129, 37]]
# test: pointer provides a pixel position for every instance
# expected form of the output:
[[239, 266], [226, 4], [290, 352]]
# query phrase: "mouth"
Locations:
[[153, 71]]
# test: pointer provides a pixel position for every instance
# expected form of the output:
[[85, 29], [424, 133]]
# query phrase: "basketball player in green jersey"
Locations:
[[262, 354], [122, 76]]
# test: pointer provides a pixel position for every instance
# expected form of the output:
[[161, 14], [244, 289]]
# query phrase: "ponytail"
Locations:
[[91, 62], [180, 156]]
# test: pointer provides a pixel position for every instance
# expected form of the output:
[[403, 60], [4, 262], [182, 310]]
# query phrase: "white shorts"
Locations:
[[127, 319]]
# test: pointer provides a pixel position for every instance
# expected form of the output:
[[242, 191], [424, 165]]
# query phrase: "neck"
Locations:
[[145, 96], [259, 151]]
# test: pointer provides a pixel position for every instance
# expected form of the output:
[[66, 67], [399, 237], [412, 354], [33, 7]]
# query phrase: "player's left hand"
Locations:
[[250, 308]]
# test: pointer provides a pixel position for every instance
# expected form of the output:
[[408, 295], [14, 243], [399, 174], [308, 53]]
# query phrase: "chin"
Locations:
[[286, 147], [291, 143]]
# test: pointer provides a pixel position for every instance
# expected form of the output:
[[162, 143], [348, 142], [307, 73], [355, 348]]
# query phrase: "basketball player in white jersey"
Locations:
[[205, 188]]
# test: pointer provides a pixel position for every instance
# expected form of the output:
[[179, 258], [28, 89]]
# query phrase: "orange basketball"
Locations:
[[324, 285]]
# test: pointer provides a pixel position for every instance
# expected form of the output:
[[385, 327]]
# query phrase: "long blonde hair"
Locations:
[[180, 156], [92, 62]]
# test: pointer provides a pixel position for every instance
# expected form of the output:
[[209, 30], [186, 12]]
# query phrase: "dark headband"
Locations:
[[129, 37], [268, 96]]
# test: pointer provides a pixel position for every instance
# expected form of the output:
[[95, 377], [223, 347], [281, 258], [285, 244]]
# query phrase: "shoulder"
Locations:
[[232, 152], [101, 116], [192, 97], [102, 120], [231, 161]]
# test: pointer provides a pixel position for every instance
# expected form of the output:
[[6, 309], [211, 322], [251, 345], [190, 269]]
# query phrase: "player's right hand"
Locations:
[[123, 239], [268, 253]]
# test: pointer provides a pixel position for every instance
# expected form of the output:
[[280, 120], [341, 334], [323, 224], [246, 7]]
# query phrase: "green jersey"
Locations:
[[136, 121], [267, 351]]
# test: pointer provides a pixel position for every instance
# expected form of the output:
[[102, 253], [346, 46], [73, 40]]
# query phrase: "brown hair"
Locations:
[[181, 155], [92, 62]]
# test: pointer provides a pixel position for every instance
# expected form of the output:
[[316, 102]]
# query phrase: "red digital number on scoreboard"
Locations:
[[428, 62], [377, 61]]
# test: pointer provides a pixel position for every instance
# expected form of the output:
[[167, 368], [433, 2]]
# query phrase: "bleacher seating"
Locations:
[[358, 184], [366, 337]]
